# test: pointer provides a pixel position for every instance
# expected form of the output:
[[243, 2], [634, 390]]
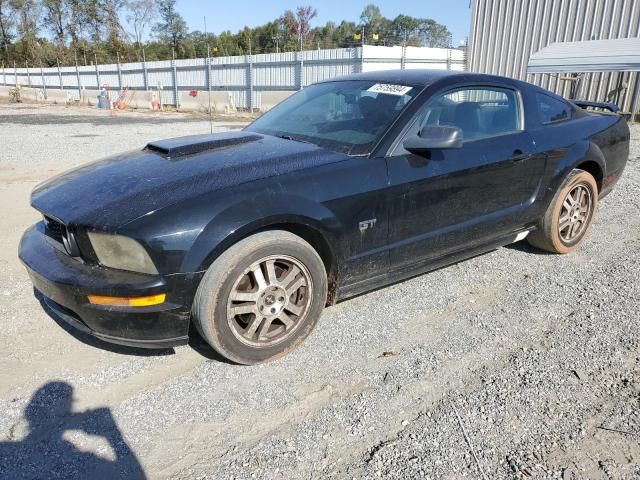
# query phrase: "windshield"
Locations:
[[346, 116]]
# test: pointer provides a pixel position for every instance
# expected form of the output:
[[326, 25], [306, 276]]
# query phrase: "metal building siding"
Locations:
[[504, 33]]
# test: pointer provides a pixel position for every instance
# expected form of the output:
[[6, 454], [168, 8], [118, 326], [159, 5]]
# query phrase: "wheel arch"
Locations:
[[312, 222], [595, 169], [301, 227]]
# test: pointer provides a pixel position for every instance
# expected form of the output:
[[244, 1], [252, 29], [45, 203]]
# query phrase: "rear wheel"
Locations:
[[261, 298], [569, 217]]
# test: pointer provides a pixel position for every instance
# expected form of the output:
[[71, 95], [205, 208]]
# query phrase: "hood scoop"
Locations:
[[183, 146]]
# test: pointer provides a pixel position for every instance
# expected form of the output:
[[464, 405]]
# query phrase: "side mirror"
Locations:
[[434, 137]]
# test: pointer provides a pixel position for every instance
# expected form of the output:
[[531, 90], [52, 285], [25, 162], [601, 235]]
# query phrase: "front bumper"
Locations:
[[65, 282]]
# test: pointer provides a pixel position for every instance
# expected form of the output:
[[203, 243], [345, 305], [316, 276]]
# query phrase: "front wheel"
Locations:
[[569, 216], [261, 298]]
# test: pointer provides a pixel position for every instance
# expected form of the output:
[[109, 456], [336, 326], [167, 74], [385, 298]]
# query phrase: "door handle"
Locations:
[[518, 155]]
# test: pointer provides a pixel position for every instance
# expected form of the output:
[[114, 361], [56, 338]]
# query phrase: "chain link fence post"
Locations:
[[26, 64]]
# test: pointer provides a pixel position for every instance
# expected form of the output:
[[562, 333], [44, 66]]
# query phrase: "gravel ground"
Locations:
[[514, 364]]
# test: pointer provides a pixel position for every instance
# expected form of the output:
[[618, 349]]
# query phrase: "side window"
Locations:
[[551, 110], [479, 112]]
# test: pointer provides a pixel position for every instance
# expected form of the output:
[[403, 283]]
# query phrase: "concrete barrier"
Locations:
[[221, 101]]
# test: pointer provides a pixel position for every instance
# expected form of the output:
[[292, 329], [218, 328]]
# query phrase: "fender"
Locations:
[[562, 161], [242, 218]]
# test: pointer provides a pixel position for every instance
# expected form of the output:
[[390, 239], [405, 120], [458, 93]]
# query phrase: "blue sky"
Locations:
[[234, 15]]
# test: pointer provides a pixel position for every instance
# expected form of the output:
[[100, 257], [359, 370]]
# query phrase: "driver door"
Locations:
[[452, 200]]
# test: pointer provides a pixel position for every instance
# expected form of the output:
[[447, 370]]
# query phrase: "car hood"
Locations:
[[112, 192]]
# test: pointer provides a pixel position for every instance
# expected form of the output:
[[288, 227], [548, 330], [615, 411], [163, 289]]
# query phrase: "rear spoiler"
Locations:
[[606, 105]]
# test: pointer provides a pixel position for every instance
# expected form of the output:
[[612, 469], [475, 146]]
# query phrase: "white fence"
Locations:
[[247, 82]]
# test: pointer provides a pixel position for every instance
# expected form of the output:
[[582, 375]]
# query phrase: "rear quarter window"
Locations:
[[552, 110]]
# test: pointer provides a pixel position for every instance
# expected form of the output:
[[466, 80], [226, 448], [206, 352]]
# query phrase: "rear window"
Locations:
[[551, 110]]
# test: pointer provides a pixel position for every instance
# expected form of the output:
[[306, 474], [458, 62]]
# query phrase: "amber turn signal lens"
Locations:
[[128, 302]]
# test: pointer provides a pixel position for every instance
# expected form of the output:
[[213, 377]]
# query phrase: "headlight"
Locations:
[[117, 251]]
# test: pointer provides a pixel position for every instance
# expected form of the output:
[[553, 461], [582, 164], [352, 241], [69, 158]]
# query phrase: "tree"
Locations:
[[6, 24], [140, 13], [300, 23], [56, 19], [434, 35], [52, 30], [77, 17], [405, 25], [27, 11], [371, 17], [114, 30], [92, 15], [172, 28]]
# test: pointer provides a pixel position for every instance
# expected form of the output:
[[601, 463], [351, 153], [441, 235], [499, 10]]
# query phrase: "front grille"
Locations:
[[54, 228]]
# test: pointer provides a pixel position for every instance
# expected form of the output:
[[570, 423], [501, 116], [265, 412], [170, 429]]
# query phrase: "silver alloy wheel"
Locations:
[[575, 213], [269, 300]]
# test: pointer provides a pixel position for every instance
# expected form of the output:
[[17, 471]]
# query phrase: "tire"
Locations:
[[266, 317], [556, 236]]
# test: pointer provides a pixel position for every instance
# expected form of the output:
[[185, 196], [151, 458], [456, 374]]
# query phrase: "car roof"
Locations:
[[424, 77]]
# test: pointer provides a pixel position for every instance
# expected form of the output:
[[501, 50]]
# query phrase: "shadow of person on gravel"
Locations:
[[46, 453]]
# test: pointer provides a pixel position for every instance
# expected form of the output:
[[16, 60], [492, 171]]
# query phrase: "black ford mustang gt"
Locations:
[[346, 186]]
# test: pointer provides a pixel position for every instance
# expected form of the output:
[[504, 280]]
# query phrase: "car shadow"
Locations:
[[525, 247], [45, 451], [96, 342], [199, 344]]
